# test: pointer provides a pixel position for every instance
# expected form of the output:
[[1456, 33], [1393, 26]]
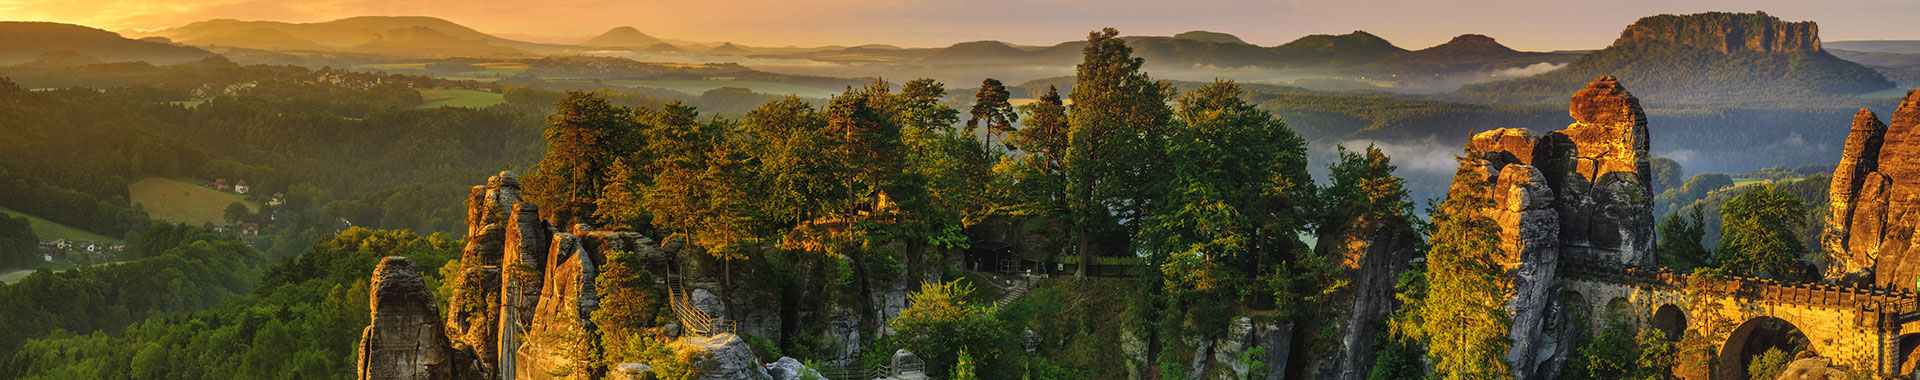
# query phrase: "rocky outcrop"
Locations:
[[1582, 193], [1860, 161], [1373, 254], [1808, 366], [1726, 32], [406, 340], [1876, 201], [560, 333], [789, 369], [1601, 178], [722, 357]]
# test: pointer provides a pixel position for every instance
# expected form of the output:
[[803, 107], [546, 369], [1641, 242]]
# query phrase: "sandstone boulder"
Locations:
[[722, 357], [789, 369]]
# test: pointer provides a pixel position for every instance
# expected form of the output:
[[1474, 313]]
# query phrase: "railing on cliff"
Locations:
[[1897, 303], [694, 320]]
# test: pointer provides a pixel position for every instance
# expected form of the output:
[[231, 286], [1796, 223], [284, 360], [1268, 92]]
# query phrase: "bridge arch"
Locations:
[[1908, 344], [1620, 307], [1753, 338], [1670, 319]]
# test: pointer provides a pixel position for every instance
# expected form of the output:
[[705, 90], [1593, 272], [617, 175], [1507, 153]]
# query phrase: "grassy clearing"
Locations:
[[189, 103], [48, 230], [460, 98], [1738, 182], [56, 267], [185, 201], [697, 87]]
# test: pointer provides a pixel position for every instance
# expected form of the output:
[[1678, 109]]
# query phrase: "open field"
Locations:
[[460, 98], [185, 201], [48, 230]]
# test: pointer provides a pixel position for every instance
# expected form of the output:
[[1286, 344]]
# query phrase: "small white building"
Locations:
[[48, 257], [240, 187]]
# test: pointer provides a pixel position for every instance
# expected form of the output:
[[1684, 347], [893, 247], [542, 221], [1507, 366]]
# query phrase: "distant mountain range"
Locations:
[[1702, 58], [396, 35], [67, 44]]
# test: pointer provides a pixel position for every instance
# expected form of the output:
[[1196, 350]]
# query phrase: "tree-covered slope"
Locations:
[[1702, 58]]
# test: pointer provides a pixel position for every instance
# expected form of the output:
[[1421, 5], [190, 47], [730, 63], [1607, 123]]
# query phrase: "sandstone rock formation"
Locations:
[[1373, 255], [406, 340], [789, 369], [1876, 201], [1583, 193], [722, 357], [1807, 366], [1727, 32]]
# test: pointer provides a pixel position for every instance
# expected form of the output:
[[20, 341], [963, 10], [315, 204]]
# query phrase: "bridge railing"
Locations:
[[1899, 302]]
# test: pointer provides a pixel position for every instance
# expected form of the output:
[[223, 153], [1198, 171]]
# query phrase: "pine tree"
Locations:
[[1757, 234], [991, 107], [1680, 245], [1463, 319], [1113, 139]]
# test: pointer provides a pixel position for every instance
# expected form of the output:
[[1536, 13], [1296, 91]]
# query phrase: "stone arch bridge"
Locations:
[[1866, 330]]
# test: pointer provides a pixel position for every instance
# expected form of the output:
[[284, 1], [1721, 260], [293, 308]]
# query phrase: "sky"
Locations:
[[1521, 24]]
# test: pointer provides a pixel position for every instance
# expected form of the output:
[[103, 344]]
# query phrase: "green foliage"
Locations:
[[1696, 188], [1229, 211], [1666, 174], [1769, 364], [628, 307], [1465, 331], [1682, 237], [1619, 352], [963, 367], [765, 349], [180, 269], [19, 247], [937, 325], [1114, 139], [1758, 233], [318, 301]]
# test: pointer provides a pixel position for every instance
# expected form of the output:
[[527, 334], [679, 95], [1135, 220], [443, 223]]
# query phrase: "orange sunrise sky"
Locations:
[[1522, 24]]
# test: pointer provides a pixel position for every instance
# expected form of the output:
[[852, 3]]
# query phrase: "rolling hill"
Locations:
[[1702, 58], [22, 42], [1348, 49], [1467, 53], [346, 34], [420, 40], [623, 37]]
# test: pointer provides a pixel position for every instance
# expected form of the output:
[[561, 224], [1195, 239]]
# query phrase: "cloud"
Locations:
[[1425, 156], [1529, 70]]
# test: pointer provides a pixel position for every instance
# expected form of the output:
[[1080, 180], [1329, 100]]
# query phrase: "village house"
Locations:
[[240, 187], [221, 184]]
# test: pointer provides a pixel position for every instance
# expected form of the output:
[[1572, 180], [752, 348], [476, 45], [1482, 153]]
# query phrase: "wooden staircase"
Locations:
[[694, 320]]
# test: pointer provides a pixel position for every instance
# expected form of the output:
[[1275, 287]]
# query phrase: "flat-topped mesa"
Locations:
[[1726, 32], [1876, 201]]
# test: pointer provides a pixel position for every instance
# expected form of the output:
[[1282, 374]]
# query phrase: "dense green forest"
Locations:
[[299, 319]]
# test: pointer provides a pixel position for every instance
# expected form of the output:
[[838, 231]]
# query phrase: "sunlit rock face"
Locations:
[[1875, 198], [1583, 193]]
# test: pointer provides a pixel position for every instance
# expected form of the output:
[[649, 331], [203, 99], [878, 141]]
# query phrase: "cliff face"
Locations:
[[1576, 194], [1726, 32], [1373, 255], [1876, 201], [405, 340]]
